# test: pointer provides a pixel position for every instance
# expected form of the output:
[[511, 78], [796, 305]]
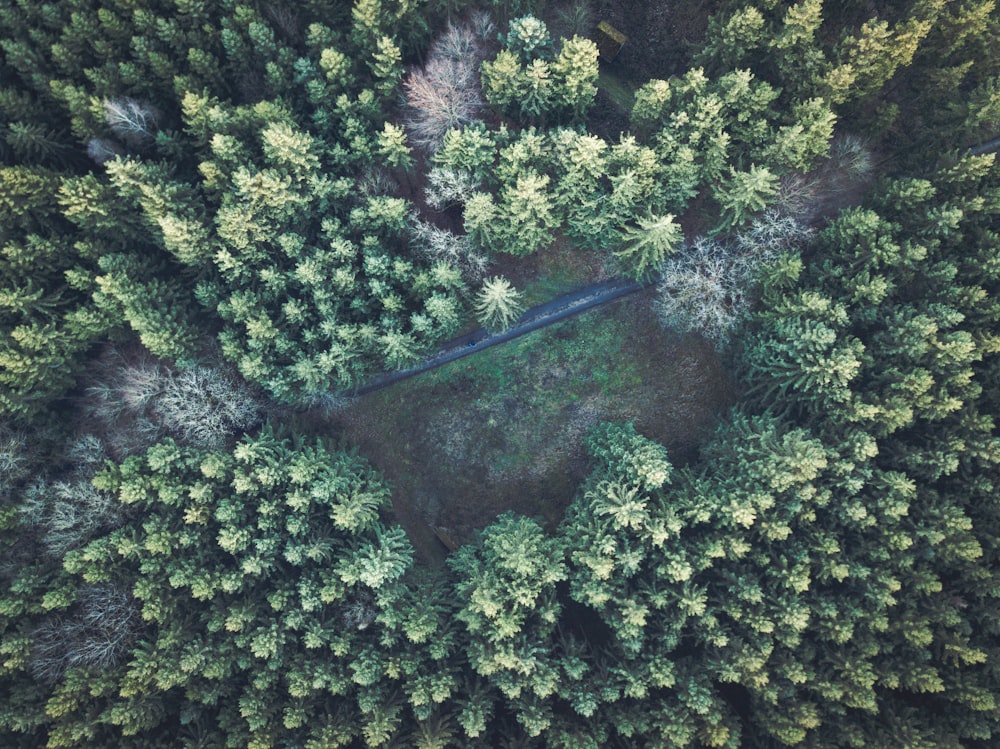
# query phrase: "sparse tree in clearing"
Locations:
[[133, 121], [841, 177], [850, 155], [498, 304]]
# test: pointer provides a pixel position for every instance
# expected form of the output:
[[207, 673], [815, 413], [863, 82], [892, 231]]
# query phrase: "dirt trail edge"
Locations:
[[570, 304]]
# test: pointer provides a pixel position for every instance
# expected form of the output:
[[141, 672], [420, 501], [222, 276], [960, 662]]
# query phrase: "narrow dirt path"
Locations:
[[573, 303]]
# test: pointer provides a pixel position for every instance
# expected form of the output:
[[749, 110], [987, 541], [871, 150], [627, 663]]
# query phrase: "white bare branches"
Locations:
[[703, 290], [439, 244], [203, 406], [135, 122], [137, 401], [707, 287], [97, 635], [449, 187], [446, 93], [103, 150], [70, 511]]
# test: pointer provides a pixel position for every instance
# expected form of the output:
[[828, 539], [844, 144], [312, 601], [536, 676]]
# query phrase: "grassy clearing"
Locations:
[[504, 429], [556, 270]]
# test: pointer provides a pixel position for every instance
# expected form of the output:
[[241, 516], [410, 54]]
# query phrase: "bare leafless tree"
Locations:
[[133, 121], [708, 286], [96, 635], [702, 289], [448, 187], [103, 150], [446, 92], [134, 400], [359, 612], [67, 511], [203, 406], [837, 181], [770, 234], [442, 245]]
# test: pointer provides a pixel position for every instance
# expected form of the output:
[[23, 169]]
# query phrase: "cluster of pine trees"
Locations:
[[240, 204]]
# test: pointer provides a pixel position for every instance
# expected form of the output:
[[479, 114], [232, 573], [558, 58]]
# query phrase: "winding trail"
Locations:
[[573, 303]]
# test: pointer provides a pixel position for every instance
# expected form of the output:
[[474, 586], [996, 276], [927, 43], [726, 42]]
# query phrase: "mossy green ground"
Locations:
[[505, 428]]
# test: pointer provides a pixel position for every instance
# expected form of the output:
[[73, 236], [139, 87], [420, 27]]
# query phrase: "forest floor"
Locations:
[[505, 429]]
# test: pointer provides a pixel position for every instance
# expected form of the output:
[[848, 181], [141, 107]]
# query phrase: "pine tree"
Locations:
[[649, 245], [498, 304], [743, 194]]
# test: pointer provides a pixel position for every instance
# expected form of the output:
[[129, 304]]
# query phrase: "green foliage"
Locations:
[[263, 554], [508, 585], [824, 574], [498, 304], [743, 194], [698, 126], [528, 38], [310, 296], [649, 245], [47, 317], [519, 222], [622, 449], [159, 309], [527, 82]]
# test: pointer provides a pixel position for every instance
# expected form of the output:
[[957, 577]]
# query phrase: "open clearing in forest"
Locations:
[[505, 429]]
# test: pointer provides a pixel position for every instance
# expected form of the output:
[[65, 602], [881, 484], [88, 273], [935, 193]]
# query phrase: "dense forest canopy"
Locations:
[[218, 217]]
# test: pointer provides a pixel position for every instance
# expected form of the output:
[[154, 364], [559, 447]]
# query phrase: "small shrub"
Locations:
[[837, 181], [851, 156]]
